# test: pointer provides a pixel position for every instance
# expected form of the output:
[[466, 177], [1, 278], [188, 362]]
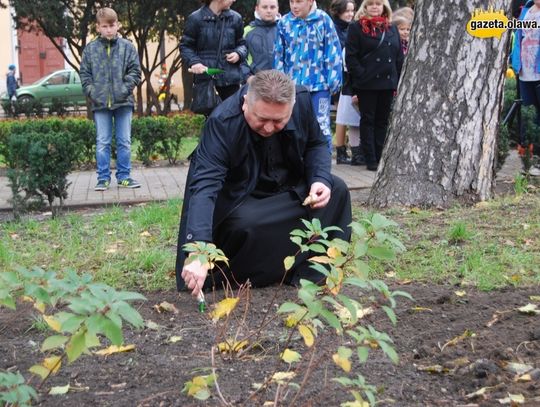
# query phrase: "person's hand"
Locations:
[[198, 69], [320, 195], [232, 57], [194, 275], [354, 99]]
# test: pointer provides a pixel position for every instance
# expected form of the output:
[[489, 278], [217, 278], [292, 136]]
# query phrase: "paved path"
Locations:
[[161, 183]]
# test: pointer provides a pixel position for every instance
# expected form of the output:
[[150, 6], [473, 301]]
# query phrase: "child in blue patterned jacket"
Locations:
[[307, 49]]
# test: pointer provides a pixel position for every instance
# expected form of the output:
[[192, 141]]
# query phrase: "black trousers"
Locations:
[[255, 237], [374, 106]]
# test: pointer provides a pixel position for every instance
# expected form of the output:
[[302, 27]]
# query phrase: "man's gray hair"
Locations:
[[271, 86]]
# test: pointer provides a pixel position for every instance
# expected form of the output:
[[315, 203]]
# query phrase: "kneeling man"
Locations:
[[261, 154]]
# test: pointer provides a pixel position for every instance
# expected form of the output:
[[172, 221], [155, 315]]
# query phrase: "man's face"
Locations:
[[300, 8], [267, 10], [108, 30], [266, 118]]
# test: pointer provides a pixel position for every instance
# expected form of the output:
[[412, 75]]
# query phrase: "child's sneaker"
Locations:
[[129, 183], [102, 185], [534, 171]]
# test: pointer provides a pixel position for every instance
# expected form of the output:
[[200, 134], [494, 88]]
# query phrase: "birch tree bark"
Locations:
[[442, 139]]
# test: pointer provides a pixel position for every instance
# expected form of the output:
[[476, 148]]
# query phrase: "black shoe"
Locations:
[[129, 183], [102, 185], [372, 167], [341, 155], [357, 156]]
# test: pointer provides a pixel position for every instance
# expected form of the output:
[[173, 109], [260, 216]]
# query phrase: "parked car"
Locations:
[[64, 85]]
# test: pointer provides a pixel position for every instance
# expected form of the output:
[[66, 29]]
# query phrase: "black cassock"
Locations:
[[254, 234]]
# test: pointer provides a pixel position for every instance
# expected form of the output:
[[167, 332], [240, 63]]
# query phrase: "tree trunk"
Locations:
[[442, 141]]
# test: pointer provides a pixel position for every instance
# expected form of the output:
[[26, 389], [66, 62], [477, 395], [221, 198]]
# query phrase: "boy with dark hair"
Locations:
[[110, 70]]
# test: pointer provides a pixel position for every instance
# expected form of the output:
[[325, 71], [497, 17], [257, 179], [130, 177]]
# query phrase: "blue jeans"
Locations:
[[321, 105], [122, 130]]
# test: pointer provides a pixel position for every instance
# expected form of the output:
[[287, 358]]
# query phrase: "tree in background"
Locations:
[[442, 142]]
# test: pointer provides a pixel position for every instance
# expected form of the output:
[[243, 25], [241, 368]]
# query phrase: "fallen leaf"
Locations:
[[510, 243], [535, 298], [152, 325], [307, 334], [405, 282], [174, 339], [529, 309], [49, 366], [114, 349], [526, 226], [512, 399], [524, 378], [223, 308], [478, 393], [282, 377], [518, 368], [420, 309], [166, 307], [494, 319], [232, 346], [414, 209], [146, 233], [342, 358], [457, 339], [433, 369], [290, 356], [59, 390], [460, 293]]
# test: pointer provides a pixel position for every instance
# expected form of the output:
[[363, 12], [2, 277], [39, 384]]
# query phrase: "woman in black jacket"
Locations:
[[213, 38], [374, 58]]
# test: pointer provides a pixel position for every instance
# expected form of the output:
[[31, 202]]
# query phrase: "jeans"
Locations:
[[321, 105], [122, 129]]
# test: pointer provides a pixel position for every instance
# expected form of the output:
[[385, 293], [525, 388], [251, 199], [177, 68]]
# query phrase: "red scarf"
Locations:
[[370, 25]]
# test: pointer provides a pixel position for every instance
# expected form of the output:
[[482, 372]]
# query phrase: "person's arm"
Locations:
[[241, 48], [279, 48], [354, 52], [188, 44], [85, 72], [132, 76], [332, 54]]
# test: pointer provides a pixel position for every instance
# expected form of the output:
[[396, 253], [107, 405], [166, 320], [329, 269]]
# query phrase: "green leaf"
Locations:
[[129, 296], [72, 324], [130, 314], [360, 248], [8, 302], [390, 313], [363, 353], [39, 370], [91, 340], [53, 342], [59, 390], [76, 346], [357, 282], [351, 307], [289, 307], [390, 351], [202, 395], [317, 248], [402, 294], [381, 253], [380, 222], [332, 320], [112, 331]]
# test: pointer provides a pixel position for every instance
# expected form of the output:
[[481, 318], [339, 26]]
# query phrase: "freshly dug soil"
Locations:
[[431, 371]]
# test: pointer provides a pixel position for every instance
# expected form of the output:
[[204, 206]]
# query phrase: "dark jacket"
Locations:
[[260, 36], [11, 84], [200, 42], [110, 70], [341, 29], [372, 68], [226, 165]]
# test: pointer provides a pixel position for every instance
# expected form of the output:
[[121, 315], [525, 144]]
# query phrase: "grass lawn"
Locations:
[[491, 245]]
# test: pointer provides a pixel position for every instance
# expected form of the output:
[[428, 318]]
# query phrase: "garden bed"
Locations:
[[432, 371]]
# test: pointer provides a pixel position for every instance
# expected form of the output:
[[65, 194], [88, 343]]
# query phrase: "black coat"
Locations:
[[200, 41], [372, 68], [226, 165], [260, 38]]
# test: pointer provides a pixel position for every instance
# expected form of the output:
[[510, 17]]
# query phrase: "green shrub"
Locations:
[[83, 133], [38, 167]]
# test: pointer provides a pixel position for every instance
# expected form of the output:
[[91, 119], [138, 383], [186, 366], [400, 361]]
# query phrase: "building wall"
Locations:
[[7, 45]]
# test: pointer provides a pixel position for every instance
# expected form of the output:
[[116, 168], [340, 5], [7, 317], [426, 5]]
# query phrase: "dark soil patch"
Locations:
[[154, 374]]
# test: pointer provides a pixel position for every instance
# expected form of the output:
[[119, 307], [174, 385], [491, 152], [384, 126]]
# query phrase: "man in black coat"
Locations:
[[260, 155]]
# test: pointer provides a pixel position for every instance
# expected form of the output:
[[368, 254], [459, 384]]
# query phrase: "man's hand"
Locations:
[[320, 195], [197, 69], [194, 275]]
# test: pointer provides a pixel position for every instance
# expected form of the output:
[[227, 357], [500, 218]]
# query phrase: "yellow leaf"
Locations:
[[166, 307], [58, 390], [356, 403], [174, 339], [288, 262], [53, 323], [39, 306], [282, 377], [433, 369], [333, 252], [232, 346], [459, 338], [290, 356], [343, 363], [307, 334], [334, 281], [512, 399], [114, 349], [420, 309], [290, 321], [460, 293], [146, 233], [524, 378], [321, 259], [52, 364], [535, 298], [530, 309], [223, 308], [197, 384]]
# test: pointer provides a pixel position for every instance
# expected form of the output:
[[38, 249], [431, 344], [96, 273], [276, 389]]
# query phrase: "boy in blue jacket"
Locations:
[[110, 70]]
